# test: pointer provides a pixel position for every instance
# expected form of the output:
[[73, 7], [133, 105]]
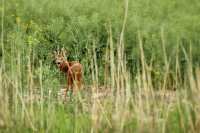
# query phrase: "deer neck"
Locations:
[[65, 66]]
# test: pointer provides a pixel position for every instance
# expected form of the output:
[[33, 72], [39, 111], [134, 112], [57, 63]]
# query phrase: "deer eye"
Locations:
[[58, 63]]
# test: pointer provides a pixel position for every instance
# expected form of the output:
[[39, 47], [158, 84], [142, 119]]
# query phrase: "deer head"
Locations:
[[60, 56]]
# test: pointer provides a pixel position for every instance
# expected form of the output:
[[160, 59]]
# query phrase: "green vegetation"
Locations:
[[140, 57]]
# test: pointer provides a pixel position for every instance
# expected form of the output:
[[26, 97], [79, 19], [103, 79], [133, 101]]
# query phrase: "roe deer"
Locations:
[[72, 69]]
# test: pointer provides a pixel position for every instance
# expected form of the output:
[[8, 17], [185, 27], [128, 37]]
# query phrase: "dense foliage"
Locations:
[[43, 26]]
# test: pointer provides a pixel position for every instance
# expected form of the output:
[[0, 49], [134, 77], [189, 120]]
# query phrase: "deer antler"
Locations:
[[63, 52], [59, 52]]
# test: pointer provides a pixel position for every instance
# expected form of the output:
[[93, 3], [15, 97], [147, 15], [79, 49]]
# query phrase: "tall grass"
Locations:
[[154, 96]]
